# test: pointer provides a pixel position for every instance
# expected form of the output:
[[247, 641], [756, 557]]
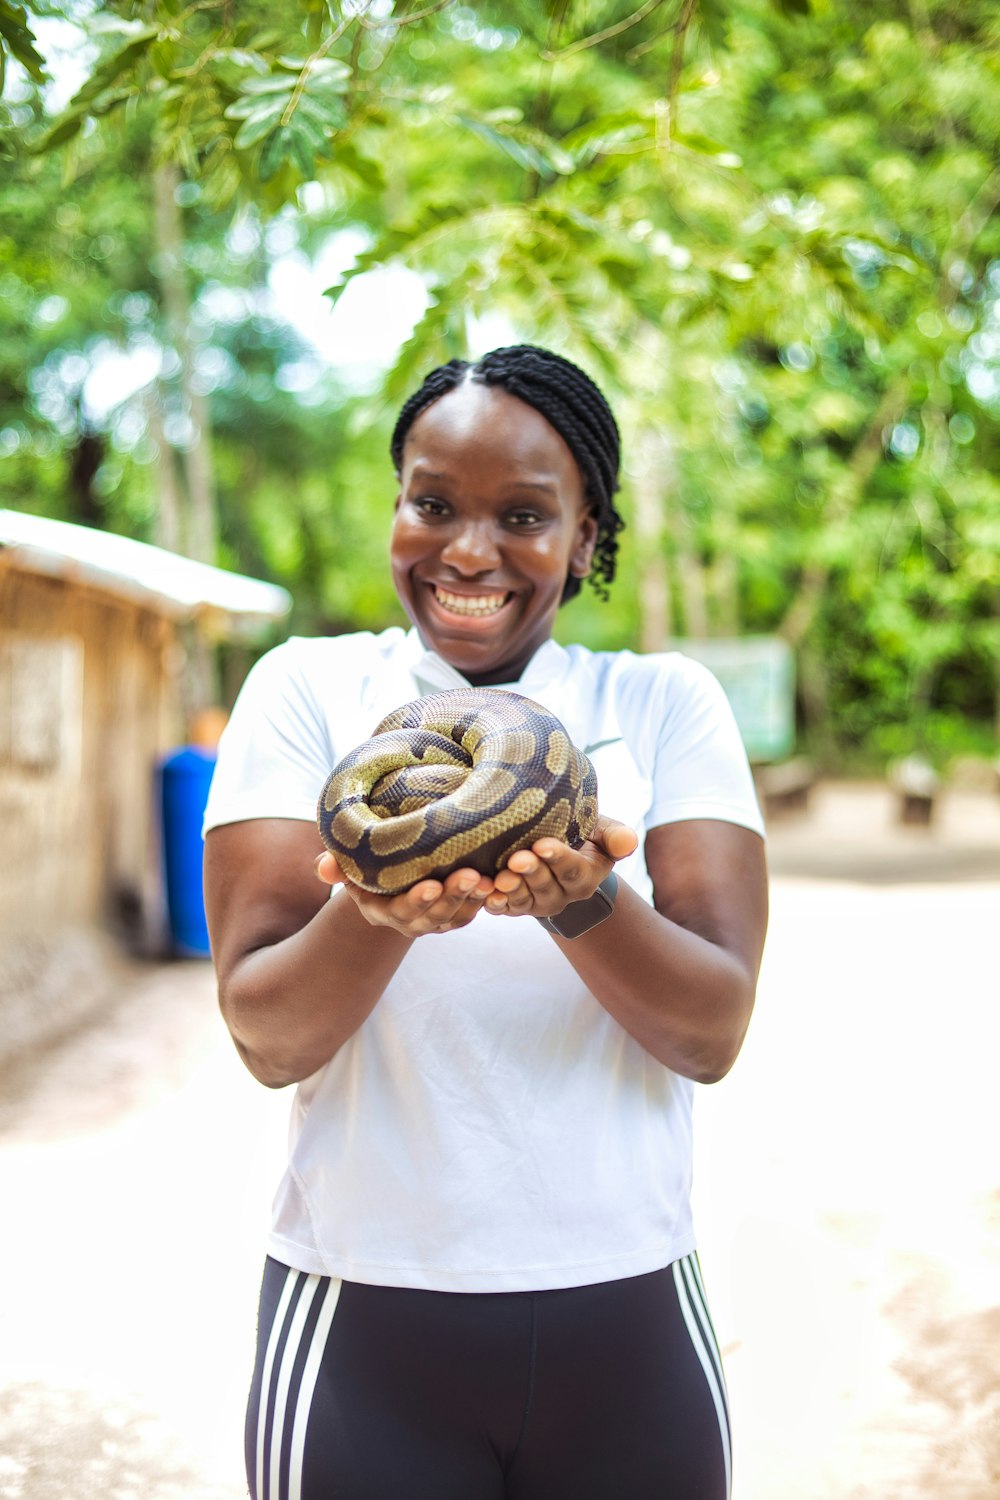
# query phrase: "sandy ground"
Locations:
[[848, 1196]]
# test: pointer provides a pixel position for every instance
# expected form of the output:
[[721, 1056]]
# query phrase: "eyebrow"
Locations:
[[542, 485]]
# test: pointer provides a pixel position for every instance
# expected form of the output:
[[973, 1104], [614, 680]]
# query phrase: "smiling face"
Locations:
[[491, 519]]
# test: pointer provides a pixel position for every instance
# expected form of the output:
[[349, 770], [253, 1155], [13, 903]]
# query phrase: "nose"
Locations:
[[472, 548]]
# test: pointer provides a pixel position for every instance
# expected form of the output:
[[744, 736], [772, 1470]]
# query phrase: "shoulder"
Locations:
[[304, 660], [650, 684]]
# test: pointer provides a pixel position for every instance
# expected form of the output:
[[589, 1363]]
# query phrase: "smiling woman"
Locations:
[[481, 550], [482, 1279]]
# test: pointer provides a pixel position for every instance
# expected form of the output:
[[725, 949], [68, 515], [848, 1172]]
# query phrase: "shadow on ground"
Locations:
[[59, 1443]]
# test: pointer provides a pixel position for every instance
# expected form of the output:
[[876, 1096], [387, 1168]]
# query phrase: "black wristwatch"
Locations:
[[580, 916]]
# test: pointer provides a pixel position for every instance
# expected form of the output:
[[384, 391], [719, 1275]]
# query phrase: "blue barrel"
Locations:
[[185, 776]]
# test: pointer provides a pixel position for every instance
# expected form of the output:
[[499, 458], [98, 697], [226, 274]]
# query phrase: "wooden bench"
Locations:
[[785, 788], [915, 785]]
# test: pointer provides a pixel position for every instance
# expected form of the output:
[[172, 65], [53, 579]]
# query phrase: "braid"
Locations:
[[570, 401]]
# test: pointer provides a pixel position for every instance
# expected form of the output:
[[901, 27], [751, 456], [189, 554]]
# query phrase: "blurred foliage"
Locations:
[[768, 227]]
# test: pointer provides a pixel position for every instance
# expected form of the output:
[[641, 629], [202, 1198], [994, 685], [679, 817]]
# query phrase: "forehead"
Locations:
[[477, 423]]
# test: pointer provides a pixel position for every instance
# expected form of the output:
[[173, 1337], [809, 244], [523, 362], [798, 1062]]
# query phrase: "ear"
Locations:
[[586, 540]]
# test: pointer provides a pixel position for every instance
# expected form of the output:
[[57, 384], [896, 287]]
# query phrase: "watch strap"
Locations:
[[580, 916]]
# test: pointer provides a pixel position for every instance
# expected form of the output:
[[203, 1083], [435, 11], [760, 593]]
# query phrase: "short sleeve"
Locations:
[[275, 752], [700, 767]]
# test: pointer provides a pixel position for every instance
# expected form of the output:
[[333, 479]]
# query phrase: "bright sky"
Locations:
[[373, 317], [360, 335]]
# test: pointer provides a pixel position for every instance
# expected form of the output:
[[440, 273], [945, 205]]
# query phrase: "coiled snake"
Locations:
[[459, 779]]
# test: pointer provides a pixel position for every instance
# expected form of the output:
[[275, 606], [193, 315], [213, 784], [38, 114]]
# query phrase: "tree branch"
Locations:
[[603, 36], [418, 15], [677, 59]]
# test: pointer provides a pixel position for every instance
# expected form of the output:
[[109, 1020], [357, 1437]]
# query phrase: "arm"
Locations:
[[299, 970], [679, 977]]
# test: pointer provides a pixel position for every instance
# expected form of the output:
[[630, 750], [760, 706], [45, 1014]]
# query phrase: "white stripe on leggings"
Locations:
[[284, 1380], [265, 1379], [321, 1332], [703, 1351], [696, 1289]]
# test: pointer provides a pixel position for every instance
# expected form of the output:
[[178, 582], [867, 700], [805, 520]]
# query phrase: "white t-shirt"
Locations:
[[489, 1127]]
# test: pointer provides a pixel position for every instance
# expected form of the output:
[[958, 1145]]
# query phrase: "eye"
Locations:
[[429, 507], [524, 517]]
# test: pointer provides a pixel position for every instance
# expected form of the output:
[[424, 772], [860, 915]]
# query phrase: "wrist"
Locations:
[[580, 916]]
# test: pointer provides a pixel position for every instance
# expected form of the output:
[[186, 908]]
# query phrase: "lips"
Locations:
[[471, 606]]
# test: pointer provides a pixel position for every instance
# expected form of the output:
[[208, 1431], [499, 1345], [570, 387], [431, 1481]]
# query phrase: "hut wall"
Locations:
[[88, 701]]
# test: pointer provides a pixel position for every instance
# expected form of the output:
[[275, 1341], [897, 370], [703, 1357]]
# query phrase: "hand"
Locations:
[[428, 906], [543, 880]]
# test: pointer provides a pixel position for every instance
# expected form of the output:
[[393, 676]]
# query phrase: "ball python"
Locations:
[[459, 779]]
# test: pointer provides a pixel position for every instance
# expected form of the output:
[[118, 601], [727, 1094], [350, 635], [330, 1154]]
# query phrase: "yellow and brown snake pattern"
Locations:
[[460, 779]]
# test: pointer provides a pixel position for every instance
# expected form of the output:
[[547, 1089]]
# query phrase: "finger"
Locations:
[[328, 870], [570, 869], [455, 901], [535, 873], [468, 884]]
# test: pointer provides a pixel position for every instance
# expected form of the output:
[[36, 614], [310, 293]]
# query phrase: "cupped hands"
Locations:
[[540, 882]]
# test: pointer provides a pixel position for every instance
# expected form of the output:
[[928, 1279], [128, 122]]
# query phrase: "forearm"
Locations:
[[290, 1005], [685, 999]]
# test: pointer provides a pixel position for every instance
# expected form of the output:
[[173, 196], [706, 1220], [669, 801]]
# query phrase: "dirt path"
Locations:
[[848, 1196]]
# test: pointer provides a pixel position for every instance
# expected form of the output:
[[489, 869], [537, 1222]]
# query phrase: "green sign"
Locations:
[[757, 673]]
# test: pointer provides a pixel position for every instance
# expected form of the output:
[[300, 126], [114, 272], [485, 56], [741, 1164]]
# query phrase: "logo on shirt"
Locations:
[[600, 745]]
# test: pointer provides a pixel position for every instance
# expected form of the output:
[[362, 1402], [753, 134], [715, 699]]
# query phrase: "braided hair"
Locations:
[[570, 401]]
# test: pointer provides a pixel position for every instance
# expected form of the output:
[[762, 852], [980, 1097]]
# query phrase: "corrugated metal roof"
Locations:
[[174, 586]]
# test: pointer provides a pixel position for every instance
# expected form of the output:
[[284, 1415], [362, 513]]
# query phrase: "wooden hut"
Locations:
[[92, 654]]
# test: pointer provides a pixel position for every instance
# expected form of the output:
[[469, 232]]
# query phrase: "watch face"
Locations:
[[580, 916]]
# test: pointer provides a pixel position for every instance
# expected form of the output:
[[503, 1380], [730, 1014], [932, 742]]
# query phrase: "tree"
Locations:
[[770, 231]]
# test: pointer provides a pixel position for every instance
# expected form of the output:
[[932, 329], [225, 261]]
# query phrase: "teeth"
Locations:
[[466, 604]]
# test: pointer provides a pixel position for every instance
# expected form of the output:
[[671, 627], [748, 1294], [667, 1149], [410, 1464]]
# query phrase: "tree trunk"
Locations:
[[202, 528], [693, 581], [726, 610], [844, 499], [168, 522], [654, 478], [189, 517]]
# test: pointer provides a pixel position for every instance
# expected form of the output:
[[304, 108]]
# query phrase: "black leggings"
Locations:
[[606, 1392]]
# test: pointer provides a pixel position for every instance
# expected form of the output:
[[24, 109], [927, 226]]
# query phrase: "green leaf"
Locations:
[[20, 40], [108, 24], [367, 170], [300, 151], [243, 57], [522, 152], [328, 68], [331, 72], [63, 130], [329, 114], [110, 100], [273, 153], [258, 125], [722, 155], [110, 69], [312, 130], [274, 83], [245, 109], [606, 135]]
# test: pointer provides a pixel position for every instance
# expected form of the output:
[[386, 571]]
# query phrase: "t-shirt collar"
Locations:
[[434, 675]]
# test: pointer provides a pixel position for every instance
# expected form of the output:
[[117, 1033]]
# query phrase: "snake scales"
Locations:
[[459, 779]]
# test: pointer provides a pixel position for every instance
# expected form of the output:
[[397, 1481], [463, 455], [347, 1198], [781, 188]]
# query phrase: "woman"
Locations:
[[482, 1279]]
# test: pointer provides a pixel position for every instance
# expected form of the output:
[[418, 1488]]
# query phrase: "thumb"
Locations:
[[617, 840], [328, 870]]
